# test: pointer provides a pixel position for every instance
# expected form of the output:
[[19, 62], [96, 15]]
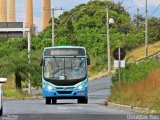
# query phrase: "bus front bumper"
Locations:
[[65, 94]]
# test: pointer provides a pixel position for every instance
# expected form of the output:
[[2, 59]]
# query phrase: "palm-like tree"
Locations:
[[16, 63]]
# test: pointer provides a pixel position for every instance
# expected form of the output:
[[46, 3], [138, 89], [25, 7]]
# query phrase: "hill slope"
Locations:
[[139, 53]]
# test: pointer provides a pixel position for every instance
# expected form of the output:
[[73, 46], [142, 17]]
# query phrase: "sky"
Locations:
[[130, 5]]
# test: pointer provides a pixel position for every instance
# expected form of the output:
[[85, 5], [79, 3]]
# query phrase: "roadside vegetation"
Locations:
[[139, 87], [86, 27], [15, 94], [138, 53]]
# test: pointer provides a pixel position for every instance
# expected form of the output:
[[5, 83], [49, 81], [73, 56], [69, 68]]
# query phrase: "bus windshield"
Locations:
[[65, 68]]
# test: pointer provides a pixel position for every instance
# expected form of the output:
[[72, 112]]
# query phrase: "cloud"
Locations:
[[38, 24], [67, 4], [141, 3], [20, 17], [58, 13], [20, 11]]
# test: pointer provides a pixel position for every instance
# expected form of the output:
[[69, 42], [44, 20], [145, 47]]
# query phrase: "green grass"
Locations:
[[139, 86], [134, 72], [138, 53], [14, 94]]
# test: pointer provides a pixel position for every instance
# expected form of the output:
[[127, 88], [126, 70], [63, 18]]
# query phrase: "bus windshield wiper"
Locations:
[[51, 78]]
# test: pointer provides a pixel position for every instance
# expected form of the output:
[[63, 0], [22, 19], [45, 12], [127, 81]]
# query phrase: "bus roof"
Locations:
[[62, 51], [64, 47]]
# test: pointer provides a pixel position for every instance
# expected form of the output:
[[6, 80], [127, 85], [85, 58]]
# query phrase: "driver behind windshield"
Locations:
[[65, 68]]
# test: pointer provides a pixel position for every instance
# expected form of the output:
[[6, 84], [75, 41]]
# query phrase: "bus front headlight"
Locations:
[[81, 85], [49, 87]]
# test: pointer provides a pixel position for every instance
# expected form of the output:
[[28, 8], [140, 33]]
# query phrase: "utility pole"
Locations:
[[108, 41], [53, 35], [29, 59], [146, 30], [119, 70], [52, 26], [138, 15]]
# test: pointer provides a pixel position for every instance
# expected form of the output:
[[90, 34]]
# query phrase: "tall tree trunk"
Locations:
[[18, 80]]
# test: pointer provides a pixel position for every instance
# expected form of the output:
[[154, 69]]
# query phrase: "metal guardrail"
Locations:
[[155, 55], [149, 57]]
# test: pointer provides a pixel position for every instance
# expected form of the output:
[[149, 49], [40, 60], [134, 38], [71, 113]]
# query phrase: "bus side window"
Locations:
[[88, 60]]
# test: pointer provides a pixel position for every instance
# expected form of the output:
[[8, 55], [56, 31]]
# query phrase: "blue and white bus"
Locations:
[[65, 74]]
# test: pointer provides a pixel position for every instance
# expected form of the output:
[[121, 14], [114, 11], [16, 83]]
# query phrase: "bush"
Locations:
[[98, 63], [134, 72]]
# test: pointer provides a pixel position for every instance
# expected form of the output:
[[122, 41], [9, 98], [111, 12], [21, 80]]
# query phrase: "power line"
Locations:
[[155, 11]]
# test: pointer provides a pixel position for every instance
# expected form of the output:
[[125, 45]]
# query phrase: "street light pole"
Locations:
[[53, 35], [108, 41], [146, 31], [52, 26], [29, 59]]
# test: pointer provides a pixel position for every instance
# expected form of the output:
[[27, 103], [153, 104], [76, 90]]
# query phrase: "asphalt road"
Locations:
[[36, 109]]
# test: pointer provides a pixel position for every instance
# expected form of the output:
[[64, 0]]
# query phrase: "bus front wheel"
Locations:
[[48, 100], [83, 100], [54, 100], [1, 111]]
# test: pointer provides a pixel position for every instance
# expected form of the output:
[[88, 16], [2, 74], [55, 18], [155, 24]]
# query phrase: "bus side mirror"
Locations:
[[3, 80], [88, 60], [42, 62]]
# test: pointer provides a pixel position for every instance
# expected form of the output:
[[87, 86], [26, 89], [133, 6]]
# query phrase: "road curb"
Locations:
[[131, 108], [28, 98]]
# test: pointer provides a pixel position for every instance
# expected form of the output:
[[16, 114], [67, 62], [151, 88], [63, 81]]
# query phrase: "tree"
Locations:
[[153, 28], [70, 29], [17, 64]]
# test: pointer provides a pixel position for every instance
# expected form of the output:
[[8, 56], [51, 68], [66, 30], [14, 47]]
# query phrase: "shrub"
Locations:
[[134, 72]]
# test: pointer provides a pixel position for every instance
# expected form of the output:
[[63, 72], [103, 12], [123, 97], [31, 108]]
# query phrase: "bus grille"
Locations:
[[64, 92], [66, 88]]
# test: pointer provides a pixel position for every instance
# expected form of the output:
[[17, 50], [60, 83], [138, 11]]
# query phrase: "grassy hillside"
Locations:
[[143, 93], [139, 85], [139, 53]]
